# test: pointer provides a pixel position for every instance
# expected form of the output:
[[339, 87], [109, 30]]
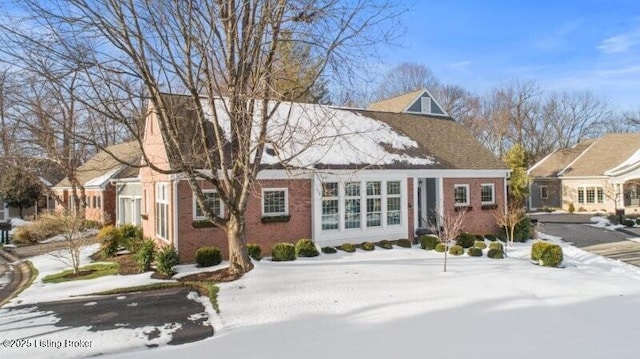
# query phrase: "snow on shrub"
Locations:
[[306, 248]]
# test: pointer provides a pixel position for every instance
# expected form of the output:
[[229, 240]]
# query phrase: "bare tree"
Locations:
[[405, 77], [203, 49], [448, 226], [70, 226], [575, 116], [508, 218]]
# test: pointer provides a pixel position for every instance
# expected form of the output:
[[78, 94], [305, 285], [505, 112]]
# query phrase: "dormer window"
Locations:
[[426, 104]]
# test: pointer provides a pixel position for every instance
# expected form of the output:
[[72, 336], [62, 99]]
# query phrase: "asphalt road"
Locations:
[[582, 235], [132, 310]]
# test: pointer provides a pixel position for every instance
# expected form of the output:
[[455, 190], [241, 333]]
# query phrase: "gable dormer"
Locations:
[[426, 104]]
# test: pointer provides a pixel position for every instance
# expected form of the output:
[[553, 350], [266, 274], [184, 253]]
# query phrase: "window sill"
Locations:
[[276, 219], [489, 206], [463, 208], [202, 223]]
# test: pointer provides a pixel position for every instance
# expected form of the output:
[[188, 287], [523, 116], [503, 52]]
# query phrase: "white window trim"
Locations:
[[424, 100], [595, 194], [546, 190], [162, 201], [493, 193], [343, 203], [463, 204], [286, 202], [195, 205]]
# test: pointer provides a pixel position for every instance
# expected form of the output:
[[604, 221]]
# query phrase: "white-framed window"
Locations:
[[361, 205], [212, 201], [425, 103], [461, 195], [487, 193], [162, 210], [330, 206], [99, 201], [275, 202], [394, 196], [592, 194], [374, 204], [544, 192], [352, 207], [144, 201]]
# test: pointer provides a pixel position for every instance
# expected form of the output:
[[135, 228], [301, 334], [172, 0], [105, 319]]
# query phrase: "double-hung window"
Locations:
[[213, 203], [352, 205], [374, 204], [162, 210], [487, 194], [393, 202], [590, 195], [330, 206], [544, 192], [275, 202], [461, 195]]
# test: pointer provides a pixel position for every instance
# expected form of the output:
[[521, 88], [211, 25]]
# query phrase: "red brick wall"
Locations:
[[477, 220], [264, 234], [106, 214]]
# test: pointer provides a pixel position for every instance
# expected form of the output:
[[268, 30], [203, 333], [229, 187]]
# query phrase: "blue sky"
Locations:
[[562, 45]]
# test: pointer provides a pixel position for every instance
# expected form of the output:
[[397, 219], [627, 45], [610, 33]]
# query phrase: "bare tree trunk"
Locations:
[[239, 261]]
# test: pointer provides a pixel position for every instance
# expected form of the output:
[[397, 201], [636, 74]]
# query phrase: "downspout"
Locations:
[[174, 210], [504, 194]]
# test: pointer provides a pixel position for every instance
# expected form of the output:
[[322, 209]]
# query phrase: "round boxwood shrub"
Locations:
[[495, 253], [496, 245], [440, 247], [480, 244], [465, 240], [254, 251], [478, 237], [537, 248], [329, 250], [428, 242], [385, 244], [551, 256], [491, 237], [404, 243], [306, 248], [638, 221], [474, 252], [629, 222], [283, 252], [456, 250], [208, 256], [166, 260], [367, 246], [348, 247]]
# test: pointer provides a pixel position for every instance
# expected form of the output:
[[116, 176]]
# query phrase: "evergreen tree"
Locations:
[[19, 188], [516, 158]]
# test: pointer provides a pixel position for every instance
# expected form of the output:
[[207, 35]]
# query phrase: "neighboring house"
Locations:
[[598, 174], [95, 177], [373, 175], [128, 197]]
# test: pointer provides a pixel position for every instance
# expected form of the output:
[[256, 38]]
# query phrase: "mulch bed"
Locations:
[[220, 275], [127, 262]]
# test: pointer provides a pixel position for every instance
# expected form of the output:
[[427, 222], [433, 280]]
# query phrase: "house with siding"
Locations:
[[359, 175], [95, 177], [596, 174]]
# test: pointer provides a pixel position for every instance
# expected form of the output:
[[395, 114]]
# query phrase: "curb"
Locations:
[[628, 232], [20, 279]]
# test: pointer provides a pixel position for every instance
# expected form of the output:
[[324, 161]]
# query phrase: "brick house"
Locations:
[[95, 176], [382, 175], [595, 174]]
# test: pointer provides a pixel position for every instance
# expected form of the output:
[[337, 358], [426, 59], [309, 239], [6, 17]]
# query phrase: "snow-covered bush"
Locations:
[[405, 243], [480, 244], [283, 252], [348, 247], [306, 248], [440, 247], [367, 246], [456, 250]]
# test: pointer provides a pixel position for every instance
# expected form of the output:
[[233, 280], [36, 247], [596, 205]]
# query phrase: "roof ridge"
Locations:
[[577, 158]]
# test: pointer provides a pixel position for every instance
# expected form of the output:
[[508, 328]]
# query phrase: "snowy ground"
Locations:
[[399, 304]]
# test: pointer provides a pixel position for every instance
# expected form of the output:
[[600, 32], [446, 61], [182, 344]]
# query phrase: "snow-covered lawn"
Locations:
[[399, 304]]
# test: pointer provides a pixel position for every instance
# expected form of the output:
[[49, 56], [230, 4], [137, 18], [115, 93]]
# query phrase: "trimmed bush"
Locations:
[[404, 243], [208, 256], [551, 256], [385, 244], [465, 240], [306, 248], [348, 247], [23, 234], [638, 221], [329, 250], [144, 255], [572, 208], [537, 248], [130, 231], [495, 254], [255, 252], [496, 246], [440, 247], [491, 237], [367, 246], [480, 244], [523, 230], [629, 222], [283, 252], [428, 242], [478, 237], [110, 238], [166, 260], [474, 252], [456, 250]]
